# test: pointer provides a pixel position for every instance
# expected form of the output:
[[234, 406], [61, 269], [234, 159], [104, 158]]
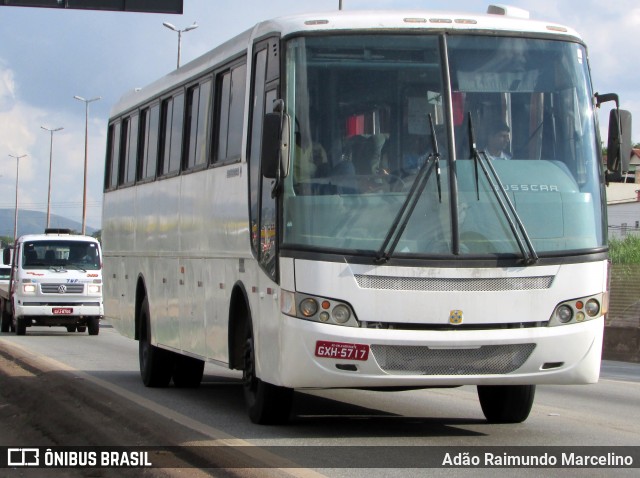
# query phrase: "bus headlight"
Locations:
[[592, 308], [564, 313], [341, 314], [308, 307], [578, 310], [317, 309]]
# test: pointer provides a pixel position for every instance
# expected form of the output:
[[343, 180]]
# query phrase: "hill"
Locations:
[[34, 222]]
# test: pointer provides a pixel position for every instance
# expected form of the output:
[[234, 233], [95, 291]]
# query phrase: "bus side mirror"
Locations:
[[275, 149], [619, 141], [271, 135], [6, 255]]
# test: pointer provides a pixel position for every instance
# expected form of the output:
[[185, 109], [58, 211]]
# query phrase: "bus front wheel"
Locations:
[[267, 404], [506, 403]]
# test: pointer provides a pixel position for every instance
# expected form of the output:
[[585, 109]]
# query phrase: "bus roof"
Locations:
[[351, 20]]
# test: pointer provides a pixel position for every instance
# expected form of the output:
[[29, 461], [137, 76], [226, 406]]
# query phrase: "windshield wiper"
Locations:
[[76, 266], [516, 225], [406, 210], [436, 156]]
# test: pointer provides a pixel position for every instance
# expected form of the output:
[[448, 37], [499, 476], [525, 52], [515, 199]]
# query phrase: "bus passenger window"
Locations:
[[230, 98]]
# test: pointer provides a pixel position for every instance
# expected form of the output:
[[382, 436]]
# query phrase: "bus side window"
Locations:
[[230, 98], [149, 123], [113, 160]]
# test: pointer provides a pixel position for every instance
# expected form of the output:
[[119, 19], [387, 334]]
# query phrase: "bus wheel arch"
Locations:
[[156, 364], [239, 325], [141, 295], [267, 404]]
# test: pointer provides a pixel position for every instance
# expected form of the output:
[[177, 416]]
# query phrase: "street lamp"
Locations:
[[51, 131], [15, 218], [180, 32], [86, 139]]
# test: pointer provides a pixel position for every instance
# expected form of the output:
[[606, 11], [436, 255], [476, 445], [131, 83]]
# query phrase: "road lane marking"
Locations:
[[218, 437]]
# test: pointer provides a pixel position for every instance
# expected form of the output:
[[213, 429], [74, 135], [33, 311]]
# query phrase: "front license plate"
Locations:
[[62, 310], [340, 350]]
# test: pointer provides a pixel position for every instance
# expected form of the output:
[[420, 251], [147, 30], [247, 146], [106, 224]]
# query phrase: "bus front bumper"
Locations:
[[314, 355]]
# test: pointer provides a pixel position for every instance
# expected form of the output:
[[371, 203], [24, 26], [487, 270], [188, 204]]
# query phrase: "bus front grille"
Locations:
[[433, 284], [422, 360]]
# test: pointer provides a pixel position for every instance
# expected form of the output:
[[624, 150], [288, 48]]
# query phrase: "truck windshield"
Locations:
[[364, 112], [60, 254]]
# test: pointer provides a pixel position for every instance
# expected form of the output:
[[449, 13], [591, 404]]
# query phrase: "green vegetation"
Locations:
[[625, 251]]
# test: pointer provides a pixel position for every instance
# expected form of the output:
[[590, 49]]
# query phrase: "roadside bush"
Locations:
[[625, 251]]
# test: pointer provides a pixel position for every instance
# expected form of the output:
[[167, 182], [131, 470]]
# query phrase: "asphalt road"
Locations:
[[63, 389]]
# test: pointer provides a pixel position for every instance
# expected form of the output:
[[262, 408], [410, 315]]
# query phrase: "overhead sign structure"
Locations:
[[148, 6]]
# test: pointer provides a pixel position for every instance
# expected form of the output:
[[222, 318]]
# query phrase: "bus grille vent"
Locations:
[[453, 284], [422, 360]]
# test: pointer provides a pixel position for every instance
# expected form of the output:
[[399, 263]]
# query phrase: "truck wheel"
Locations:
[[5, 320], [267, 404], [188, 372], [156, 364], [506, 403], [93, 324], [71, 328], [21, 326], [82, 329]]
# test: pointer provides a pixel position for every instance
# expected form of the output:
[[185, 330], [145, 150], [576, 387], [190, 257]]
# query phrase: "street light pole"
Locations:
[[15, 217], [86, 140], [180, 32], [51, 131]]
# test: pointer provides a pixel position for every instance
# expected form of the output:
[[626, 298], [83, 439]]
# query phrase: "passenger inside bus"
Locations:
[[498, 139]]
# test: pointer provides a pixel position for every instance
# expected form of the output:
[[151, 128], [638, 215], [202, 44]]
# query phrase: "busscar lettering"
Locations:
[[536, 188]]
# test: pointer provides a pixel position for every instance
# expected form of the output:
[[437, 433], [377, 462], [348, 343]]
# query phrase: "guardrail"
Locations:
[[622, 326]]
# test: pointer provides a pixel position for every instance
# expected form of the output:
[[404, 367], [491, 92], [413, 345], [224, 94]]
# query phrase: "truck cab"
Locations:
[[56, 280]]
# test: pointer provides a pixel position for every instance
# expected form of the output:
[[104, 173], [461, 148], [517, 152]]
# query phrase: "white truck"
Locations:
[[55, 280]]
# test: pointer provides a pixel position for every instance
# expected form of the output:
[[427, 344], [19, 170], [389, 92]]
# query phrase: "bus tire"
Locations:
[[188, 372], [506, 403], [21, 326], [93, 324], [267, 404], [156, 364]]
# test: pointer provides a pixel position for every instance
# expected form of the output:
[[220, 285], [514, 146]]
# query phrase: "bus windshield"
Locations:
[[63, 254], [368, 112]]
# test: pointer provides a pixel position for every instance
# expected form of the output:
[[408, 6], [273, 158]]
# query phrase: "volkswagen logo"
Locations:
[[62, 289]]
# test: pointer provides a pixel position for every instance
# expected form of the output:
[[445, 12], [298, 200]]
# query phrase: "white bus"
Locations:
[[315, 203]]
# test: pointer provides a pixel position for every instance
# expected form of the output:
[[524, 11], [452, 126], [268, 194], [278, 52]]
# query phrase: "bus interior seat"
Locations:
[[366, 152]]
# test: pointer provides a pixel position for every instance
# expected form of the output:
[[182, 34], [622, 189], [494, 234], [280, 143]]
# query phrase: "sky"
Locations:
[[48, 56]]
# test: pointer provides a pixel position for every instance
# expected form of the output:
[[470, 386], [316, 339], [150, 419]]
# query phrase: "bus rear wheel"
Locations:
[[506, 403], [156, 364], [267, 404]]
